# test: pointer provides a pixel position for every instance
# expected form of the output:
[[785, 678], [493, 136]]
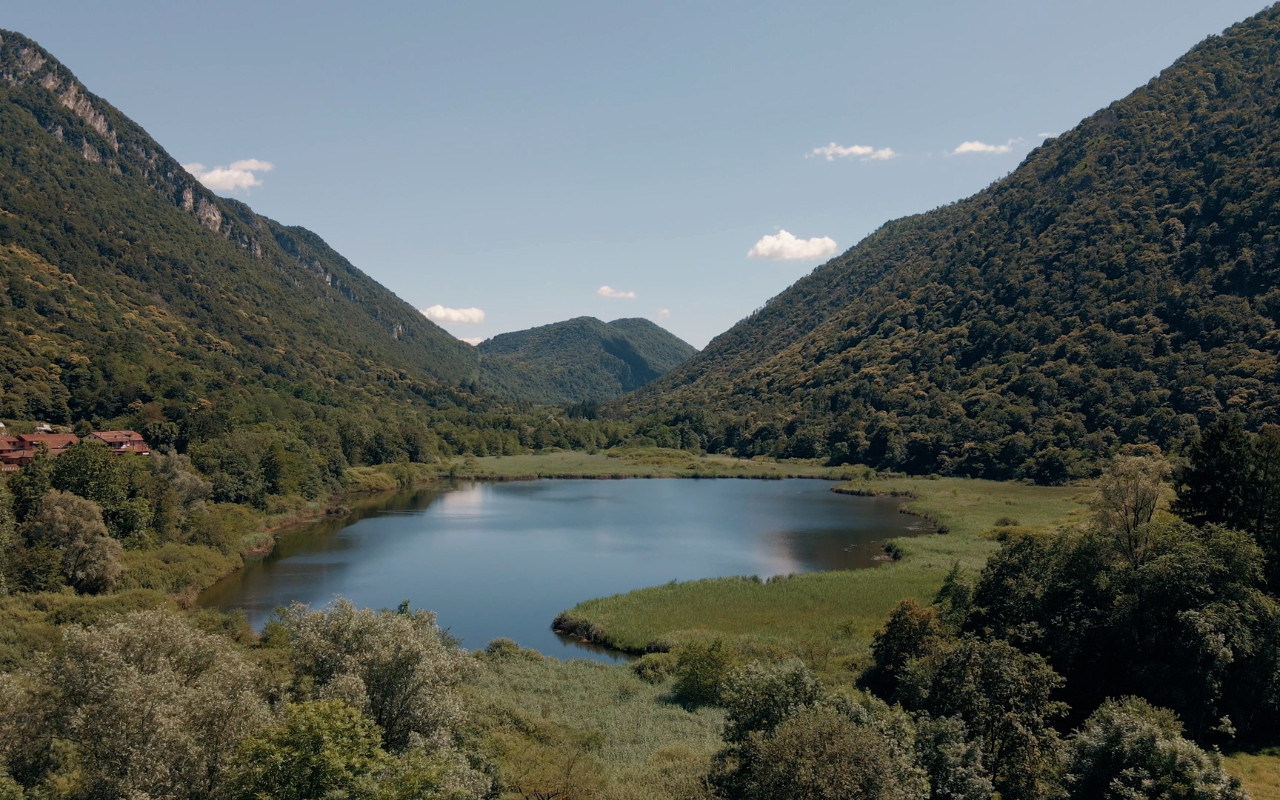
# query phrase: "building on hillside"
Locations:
[[122, 441], [21, 448]]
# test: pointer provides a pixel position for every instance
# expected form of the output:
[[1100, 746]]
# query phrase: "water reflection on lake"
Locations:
[[502, 559]]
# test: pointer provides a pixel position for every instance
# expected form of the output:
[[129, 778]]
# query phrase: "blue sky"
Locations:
[[517, 158]]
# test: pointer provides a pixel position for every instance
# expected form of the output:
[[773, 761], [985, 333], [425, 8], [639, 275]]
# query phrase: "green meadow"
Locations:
[[824, 615]]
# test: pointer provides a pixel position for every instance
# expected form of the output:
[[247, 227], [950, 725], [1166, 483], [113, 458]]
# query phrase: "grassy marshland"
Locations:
[[826, 614]]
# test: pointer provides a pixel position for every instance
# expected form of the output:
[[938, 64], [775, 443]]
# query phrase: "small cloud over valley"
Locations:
[[616, 294], [967, 148], [473, 340], [833, 151], [664, 314], [455, 316], [784, 246], [240, 175]]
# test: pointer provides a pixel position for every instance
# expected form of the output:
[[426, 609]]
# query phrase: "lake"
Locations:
[[502, 559]]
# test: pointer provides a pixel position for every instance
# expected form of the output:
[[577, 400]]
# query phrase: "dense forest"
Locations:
[[583, 360], [1118, 288]]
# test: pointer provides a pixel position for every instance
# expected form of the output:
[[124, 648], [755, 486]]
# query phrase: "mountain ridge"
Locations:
[[1118, 289], [582, 359], [273, 266]]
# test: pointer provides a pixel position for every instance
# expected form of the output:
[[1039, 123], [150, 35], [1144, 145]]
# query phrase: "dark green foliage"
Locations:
[[319, 749], [29, 485], [8, 539], [701, 670], [952, 761], [758, 697], [582, 360], [1129, 749], [820, 754], [911, 634], [1189, 629], [1122, 286], [1005, 699], [73, 527], [1233, 479]]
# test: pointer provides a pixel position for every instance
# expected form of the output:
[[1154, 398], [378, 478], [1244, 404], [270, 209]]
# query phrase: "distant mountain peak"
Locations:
[[582, 359]]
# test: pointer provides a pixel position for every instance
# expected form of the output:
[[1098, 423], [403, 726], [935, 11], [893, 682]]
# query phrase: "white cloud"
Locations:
[[981, 147], [1046, 135], [473, 340], [617, 294], [833, 151], [786, 247], [664, 314], [240, 175], [457, 316]]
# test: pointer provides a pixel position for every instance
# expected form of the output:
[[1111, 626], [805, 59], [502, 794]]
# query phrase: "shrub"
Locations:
[[758, 697], [701, 668], [655, 667], [393, 665], [90, 558], [319, 749], [140, 706], [820, 754], [1128, 748]]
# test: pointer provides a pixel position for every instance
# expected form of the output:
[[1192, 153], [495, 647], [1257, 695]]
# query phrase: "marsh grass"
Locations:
[[1258, 770], [596, 724], [640, 462], [831, 615]]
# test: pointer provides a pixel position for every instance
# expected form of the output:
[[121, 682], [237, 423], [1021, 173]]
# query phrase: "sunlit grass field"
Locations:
[[1258, 770], [546, 723], [645, 462], [833, 613]]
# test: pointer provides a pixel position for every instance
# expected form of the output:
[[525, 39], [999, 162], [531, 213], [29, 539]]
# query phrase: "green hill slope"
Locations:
[[581, 359], [122, 279], [1120, 287]]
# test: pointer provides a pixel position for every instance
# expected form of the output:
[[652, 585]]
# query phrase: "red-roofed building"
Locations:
[[56, 442], [122, 441]]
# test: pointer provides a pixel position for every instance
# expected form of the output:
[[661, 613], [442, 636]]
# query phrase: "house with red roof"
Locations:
[[122, 441]]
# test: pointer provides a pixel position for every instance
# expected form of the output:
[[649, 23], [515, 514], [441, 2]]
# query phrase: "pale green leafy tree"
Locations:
[[91, 559], [142, 706], [1130, 749], [395, 666], [1126, 500]]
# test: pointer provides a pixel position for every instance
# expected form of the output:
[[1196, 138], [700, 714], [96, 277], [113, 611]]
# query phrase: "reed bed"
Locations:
[[617, 732], [825, 614]]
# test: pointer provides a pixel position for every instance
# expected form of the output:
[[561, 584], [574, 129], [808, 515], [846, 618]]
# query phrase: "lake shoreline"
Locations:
[[835, 611], [548, 547]]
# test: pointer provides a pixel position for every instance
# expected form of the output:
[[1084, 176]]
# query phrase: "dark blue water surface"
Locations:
[[502, 559]]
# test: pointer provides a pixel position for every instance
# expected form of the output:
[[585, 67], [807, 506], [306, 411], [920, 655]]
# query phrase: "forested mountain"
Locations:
[[582, 359], [1120, 287], [123, 279]]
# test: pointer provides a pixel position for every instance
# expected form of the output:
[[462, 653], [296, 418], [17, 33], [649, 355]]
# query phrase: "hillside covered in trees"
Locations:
[[110, 250], [583, 359], [133, 297], [1120, 287]]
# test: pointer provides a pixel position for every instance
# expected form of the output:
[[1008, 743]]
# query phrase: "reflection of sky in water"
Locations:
[[502, 559]]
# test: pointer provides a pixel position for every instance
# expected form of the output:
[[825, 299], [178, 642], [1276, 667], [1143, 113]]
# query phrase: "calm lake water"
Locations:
[[502, 559]]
